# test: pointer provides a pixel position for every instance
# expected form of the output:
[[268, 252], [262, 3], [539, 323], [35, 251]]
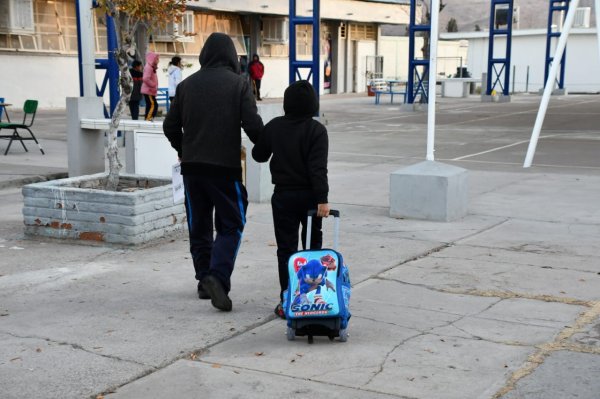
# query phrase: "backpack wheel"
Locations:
[[291, 334], [343, 335]]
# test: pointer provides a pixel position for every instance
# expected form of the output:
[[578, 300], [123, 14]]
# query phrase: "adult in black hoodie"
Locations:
[[299, 146], [203, 126]]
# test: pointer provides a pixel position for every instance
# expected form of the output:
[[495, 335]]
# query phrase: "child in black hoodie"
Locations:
[[299, 146]]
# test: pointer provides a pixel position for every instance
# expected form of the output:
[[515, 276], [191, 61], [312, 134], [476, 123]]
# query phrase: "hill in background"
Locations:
[[533, 14]]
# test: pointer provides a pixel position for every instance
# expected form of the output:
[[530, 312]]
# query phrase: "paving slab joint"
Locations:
[[193, 355], [560, 343]]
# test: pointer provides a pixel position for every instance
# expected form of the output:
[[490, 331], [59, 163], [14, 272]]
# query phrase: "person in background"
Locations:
[[175, 77], [257, 70], [136, 94], [150, 85]]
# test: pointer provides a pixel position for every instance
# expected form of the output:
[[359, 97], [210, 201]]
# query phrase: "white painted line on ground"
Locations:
[[532, 111], [520, 164], [369, 155], [500, 148]]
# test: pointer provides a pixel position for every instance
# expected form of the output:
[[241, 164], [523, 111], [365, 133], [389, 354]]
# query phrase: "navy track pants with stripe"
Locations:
[[229, 200]]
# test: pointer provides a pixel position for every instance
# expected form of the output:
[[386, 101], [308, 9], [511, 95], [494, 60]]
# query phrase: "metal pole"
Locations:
[[316, 46], [410, 90], [527, 80], [86, 48], [490, 67], [292, 40], [597, 9], [508, 53], [433, 47], [560, 49], [514, 74], [113, 67]]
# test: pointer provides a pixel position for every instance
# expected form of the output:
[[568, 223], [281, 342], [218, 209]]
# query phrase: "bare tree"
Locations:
[[426, 6], [129, 16]]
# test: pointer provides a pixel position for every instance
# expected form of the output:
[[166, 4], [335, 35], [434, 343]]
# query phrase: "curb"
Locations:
[[32, 179]]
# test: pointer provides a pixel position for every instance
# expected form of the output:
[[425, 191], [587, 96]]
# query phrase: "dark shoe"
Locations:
[[279, 311], [202, 294], [218, 296], [259, 99]]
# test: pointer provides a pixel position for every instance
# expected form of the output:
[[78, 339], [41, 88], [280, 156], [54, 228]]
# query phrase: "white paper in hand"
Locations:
[[178, 189]]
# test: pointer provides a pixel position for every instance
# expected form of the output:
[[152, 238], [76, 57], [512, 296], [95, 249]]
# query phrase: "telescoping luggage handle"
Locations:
[[336, 231]]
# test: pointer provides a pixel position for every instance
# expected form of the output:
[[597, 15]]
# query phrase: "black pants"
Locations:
[[134, 108], [257, 88], [229, 200], [151, 107], [289, 212]]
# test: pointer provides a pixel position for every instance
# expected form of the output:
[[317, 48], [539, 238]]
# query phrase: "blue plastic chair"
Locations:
[[1, 108]]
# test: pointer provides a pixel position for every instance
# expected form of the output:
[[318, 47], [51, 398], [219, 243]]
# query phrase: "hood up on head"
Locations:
[[152, 58], [300, 99], [219, 51]]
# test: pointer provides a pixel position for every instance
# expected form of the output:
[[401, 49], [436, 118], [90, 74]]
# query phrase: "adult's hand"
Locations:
[[323, 210]]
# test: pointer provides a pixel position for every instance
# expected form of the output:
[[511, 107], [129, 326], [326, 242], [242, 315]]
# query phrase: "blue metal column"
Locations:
[[80, 61], [314, 65], [417, 68], [110, 63], [113, 67], [556, 6], [494, 75]]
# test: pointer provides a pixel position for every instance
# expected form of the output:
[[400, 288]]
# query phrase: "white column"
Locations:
[[560, 49], [597, 9], [88, 53], [433, 44]]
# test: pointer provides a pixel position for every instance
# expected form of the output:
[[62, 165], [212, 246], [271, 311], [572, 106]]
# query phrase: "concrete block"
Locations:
[[429, 190], [72, 209], [499, 98], [85, 147]]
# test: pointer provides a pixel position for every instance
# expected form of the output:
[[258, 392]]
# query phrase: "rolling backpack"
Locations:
[[317, 300]]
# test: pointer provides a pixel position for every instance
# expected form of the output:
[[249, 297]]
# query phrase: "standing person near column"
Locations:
[[175, 76], [150, 85], [136, 95], [203, 126], [257, 70]]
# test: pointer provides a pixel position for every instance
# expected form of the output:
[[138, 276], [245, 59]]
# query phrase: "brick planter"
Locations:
[[140, 211]]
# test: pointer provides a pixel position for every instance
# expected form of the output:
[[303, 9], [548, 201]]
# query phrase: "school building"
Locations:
[[38, 43]]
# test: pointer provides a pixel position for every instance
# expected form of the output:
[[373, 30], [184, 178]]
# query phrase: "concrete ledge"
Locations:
[[72, 209], [430, 191], [21, 181], [495, 99]]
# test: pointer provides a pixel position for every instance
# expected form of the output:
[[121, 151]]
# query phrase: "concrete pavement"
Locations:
[[504, 303]]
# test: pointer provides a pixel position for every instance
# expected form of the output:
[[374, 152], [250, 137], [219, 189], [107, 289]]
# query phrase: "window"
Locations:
[[184, 30], [582, 17], [363, 32], [16, 16], [275, 30]]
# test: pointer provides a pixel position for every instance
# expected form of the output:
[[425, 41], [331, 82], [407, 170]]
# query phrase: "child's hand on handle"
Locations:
[[323, 210]]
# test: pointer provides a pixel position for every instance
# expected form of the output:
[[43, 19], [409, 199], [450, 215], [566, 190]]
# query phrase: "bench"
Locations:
[[162, 97], [382, 86]]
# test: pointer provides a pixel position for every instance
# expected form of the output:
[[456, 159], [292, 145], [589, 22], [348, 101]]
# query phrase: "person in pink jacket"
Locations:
[[150, 85]]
